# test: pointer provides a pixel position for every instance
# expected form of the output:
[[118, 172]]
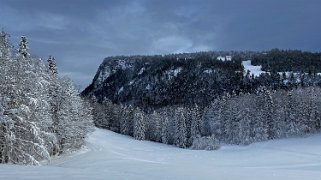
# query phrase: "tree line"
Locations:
[[278, 60], [231, 119]]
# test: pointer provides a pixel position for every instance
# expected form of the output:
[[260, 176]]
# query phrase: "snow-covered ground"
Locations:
[[113, 156], [255, 70]]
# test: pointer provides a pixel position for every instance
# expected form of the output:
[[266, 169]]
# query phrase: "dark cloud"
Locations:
[[80, 33]]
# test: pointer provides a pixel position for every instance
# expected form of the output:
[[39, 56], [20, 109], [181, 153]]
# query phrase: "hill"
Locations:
[[196, 78]]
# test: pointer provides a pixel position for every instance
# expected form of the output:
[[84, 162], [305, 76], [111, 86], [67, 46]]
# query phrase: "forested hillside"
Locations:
[[157, 81], [41, 115], [152, 82], [288, 61], [199, 101]]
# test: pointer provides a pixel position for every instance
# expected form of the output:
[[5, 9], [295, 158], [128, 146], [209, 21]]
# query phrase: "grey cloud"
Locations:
[[80, 33]]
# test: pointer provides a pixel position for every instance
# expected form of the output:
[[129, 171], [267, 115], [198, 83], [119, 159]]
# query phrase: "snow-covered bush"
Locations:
[[205, 143]]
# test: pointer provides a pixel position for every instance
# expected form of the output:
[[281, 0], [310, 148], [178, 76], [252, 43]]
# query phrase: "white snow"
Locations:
[[224, 58], [148, 87], [176, 71], [141, 71], [113, 156], [131, 82], [221, 58], [255, 70], [123, 64], [103, 75], [173, 72], [120, 90], [208, 71]]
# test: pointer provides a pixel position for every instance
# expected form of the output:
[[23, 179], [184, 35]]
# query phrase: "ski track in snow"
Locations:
[[112, 156]]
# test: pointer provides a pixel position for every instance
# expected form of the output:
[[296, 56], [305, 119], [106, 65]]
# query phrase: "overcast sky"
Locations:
[[80, 33]]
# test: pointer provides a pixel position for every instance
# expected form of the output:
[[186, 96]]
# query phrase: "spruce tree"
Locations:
[[139, 125], [157, 129], [23, 48], [290, 115], [52, 66], [268, 114], [165, 128], [5, 52], [259, 125], [54, 94], [181, 133], [196, 124]]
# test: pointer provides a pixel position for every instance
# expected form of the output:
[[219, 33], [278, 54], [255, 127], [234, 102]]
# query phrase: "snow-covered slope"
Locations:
[[255, 70], [113, 156]]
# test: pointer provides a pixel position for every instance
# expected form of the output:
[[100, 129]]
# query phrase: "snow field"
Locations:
[[113, 156], [255, 70]]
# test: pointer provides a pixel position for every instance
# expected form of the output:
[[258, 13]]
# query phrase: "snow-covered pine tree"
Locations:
[[123, 126], [290, 115], [189, 118], [312, 122], [102, 112], [139, 125], [245, 128], [245, 117], [157, 130], [225, 117], [303, 110], [213, 116], [165, 128], [54, 91], [206, 121], [196, 124], [6, 124], [269, 114], [235, 112], [125, 119], [74, 119], [279, 98], [5, 52], [23, 48], [115, 116], [52, 66], [259, 125], [107, 113], [41, 110], [180, 132], [96, 109]]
